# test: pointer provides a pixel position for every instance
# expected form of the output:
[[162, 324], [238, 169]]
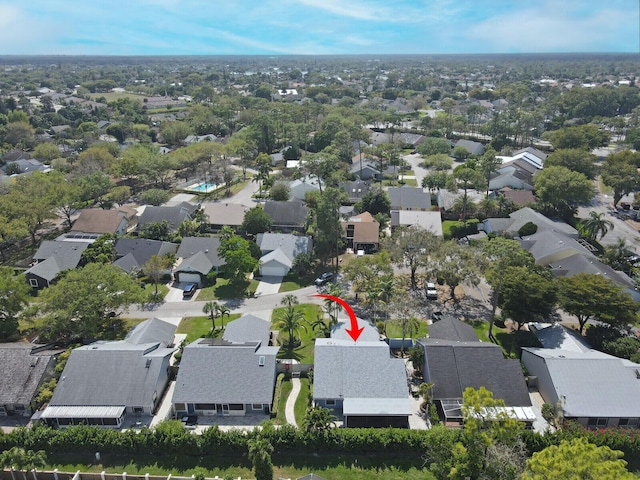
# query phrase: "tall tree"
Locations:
[[100, 293], [590, 296], [596, 225], [577, 459], [291, 319], [620, 172], [410, 247], [561, 190], [256, 221], [328, 228], [14, 297], [454, 264], [237, 256], [575, 159], [502, 253], [155, 268], [23, 460], [466, 178], [259, 454], [318, 420]]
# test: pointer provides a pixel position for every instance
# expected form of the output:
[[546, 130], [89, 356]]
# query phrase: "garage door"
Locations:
[[273, 271], [184, 277]]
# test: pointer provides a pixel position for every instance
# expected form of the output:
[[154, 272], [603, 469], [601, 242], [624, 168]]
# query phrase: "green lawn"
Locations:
[[329, 467], [394, 329], [510, 342], [284, 395], [223, 290], [294, 282], [304, 353], [302, 402], [113, 96], [409, 182], [198, 327], [150, 289], [446, 227]]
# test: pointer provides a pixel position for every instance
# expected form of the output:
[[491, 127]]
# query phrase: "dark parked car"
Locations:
[[324, 278], [189, 290]]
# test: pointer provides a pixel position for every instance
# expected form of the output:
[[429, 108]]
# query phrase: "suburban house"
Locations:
[[550, 246], [174, 215], [360, 380], [454, 365], [520, 198], [106, 380], [100, 221], [595, 389], [299, 188], [197, 257], [559, 337], [133, 253], [365, 170], [279, 250], [430, 221], [474, 148], [286, 216], [355, 190], [516, 174], [450, 328], [22, 166], [525, 215], [23, 368], [232, 375], [531, 155], [223, 214], [409, 198], [362, 232], [52, 258]]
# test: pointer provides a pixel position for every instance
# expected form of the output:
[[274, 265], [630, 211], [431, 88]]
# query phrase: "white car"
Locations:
[[432, 293]]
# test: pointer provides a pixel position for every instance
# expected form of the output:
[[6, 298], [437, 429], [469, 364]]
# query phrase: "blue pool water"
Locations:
[[203, 187]]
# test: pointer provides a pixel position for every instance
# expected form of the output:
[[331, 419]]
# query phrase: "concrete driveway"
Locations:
[[268, 286]]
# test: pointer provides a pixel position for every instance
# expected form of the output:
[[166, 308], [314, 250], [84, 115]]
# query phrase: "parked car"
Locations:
[[188, 290], [324, 279], [432, 293]]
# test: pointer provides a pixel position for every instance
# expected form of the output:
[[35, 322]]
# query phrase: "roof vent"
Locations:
[[261, 361], [148, 364]]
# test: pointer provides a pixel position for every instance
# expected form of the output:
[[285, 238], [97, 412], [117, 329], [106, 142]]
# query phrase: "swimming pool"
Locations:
[[202, 187]]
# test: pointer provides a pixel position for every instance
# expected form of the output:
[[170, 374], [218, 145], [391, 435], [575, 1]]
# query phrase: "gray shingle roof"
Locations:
[[557, 336], [112, 374], [248, 328], [21, 372], [215, 373], [450, 328], [207, 245], [454, 366], [286, 214], [364, 369], [132, 253], [290, 245], [152, 330], [592, 384], [54, 257], [405, 198], [174, 215]]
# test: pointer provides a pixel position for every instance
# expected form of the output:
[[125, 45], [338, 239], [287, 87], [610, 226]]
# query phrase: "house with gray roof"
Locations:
[[299, 188], [355, 190], [409, 198], [232, 375], [133, 253], [426, 220], [174, 215], [23, 368], [454, 365], [365, 170], [375, 396], [224, 214], [286, 216], [595, 389], [525, 215], [51, 259], [105, 381], [557, 336], [98, 220], [279, 251], [197, 257], [474, 148], [450, 328]]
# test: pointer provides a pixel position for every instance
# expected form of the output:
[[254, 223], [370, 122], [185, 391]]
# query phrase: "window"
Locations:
[[33, 282], [597, 422], [256, 406], [628, 423], [180, 407], [261, 360], [330, 402], [205, 406], [236, 406]]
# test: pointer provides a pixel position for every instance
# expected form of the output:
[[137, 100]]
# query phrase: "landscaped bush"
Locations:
[[527, 229]]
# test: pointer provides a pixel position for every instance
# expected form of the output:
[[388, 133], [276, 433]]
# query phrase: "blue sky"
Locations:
[[233, 27]]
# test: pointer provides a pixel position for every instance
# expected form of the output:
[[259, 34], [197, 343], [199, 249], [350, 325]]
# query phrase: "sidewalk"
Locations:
[[289, 409]]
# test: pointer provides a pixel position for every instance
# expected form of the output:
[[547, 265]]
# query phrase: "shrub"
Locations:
[[527, 229]]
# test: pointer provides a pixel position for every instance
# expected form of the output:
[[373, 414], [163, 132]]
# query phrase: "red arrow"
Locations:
[[354, 332]]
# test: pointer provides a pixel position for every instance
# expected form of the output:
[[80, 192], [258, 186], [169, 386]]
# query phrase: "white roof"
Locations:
[[376, 406], [82, 412]]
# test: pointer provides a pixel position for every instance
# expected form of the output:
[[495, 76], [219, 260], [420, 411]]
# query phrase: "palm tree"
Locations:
[[410, 326], [318, 419], [222, 310], [23, 460], [321, 325], [213, 310], [291, 320], [596, 225]]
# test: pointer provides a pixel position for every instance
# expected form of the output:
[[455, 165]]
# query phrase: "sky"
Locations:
[[315, 27]]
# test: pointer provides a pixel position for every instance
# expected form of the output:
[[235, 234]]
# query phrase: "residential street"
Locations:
[[414, 161]]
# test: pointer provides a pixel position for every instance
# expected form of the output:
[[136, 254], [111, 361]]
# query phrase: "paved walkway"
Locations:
[[289, 410]]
